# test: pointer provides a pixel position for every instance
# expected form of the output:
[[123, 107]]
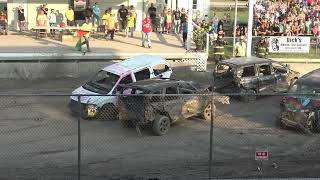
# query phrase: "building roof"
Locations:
[[245, 61], [134, 63]]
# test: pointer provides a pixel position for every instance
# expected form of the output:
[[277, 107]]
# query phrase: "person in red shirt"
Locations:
[[146, 31]]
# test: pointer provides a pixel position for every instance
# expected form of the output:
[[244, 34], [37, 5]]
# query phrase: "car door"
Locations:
[[191, 103], [162, 71], [172, 102], [248, 77], [281, 75], [267, 79]]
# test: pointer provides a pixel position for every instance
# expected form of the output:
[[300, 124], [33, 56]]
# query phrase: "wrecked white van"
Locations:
[[107, 82]]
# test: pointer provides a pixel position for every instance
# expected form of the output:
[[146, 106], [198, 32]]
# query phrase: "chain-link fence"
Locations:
[[179, 135]]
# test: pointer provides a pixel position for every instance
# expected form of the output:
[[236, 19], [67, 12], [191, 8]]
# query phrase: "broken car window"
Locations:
[[265, 70], [159, 69], [142, 75], [248, 71]]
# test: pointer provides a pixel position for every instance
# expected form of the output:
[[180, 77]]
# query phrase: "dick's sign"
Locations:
[[289, 44]]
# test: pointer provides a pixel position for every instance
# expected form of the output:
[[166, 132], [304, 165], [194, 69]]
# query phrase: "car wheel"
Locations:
[[108, 112], [250, 97], [207, 112], [313, 124], [161, 125]]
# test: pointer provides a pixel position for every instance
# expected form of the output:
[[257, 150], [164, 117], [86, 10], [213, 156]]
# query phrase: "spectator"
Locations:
[[240, 48], [123, 15], [168, 19], [88, 13], [96, 18], [52, 21], [104, 18], [42, 19], [134, 13], [183, 16], [177, 20], [146, 31], [110, 26], [21, 19], [131, 19], [152, 11], [59, 17], [3, 23], [70, 16], [184, 33], [215, 20]]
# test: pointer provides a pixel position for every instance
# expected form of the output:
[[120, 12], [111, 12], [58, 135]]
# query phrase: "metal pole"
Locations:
[[250, 27], [189, 24], [208, 43], [79, 139], [234, 27], [211, 137]]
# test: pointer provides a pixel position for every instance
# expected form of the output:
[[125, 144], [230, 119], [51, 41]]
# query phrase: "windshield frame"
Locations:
[[92, 85]]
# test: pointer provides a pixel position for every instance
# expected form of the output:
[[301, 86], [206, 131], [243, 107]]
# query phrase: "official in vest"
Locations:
[[262, 48], [241, 48]]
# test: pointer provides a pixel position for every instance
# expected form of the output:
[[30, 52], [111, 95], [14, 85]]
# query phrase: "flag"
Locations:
[[78, 45]]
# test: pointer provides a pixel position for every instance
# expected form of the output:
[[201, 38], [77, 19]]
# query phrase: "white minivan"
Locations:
[[108, 80]]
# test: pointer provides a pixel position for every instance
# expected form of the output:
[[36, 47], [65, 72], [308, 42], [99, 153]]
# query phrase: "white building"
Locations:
[[201, 7]]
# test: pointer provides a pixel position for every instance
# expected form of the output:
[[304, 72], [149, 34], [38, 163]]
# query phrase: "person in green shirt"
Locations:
[[130, 24]]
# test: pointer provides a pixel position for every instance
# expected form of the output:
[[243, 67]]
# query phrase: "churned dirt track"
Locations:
[[38, 140]]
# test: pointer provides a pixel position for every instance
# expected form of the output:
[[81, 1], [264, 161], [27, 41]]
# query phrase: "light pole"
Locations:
[[250, 25], [189, 24], [235, 27]]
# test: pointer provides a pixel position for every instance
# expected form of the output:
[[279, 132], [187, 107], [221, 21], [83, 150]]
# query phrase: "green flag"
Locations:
[[78, 45]]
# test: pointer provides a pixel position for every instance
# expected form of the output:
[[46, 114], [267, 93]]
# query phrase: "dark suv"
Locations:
[[160, 102], [252, 75]]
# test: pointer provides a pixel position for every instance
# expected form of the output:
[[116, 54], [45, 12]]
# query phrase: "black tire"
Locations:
[[249, 98], [314, 125], [161, 125], [207, 112]]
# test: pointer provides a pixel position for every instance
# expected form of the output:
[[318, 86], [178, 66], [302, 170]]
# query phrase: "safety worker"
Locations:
[[241, 48], [218, 50], [262, 48]]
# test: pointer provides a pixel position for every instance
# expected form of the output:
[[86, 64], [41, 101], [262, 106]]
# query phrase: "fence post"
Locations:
[[79, 138], [208, 43], [211, 137]]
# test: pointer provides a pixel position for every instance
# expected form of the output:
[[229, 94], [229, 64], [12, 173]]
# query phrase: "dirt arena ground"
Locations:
[[38, 140]]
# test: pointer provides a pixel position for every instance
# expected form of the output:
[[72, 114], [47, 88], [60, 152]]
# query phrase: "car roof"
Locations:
[[154, 84], [312, 78], [242, 61], [134, 63]]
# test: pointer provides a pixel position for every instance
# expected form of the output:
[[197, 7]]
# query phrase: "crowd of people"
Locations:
[[3, 21], [287, 18]]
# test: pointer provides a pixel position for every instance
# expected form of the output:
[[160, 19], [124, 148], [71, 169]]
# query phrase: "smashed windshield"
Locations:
[[103, 81]]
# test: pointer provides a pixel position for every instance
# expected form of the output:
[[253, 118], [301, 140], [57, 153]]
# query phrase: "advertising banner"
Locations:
[[293, 44]]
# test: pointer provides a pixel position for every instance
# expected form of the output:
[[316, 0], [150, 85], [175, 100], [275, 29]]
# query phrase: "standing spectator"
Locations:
[[241, 48], [215, 21], [146, 31], [88, 13], [60, 17], [52, 21], [104, 19], [183, 16], [110, 26], [21, 19], [130, 24], [123, 15], [3, 23], [184, 33], [152, 14], [169, 21], [42, 19], [177, 20], [70, 16], [134, 13], [96, 15]]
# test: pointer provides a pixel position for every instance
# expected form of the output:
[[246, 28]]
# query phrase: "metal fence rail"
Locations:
[[214, 136]]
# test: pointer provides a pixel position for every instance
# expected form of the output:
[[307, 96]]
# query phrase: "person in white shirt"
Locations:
[[52, 21]]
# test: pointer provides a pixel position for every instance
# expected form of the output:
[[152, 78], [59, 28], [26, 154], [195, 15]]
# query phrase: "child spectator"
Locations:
[[131, 19], [169, 21], [110, 26]]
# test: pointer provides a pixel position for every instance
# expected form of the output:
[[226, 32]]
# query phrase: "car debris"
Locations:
[[252, 76], [302, 109], [161, 102]]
